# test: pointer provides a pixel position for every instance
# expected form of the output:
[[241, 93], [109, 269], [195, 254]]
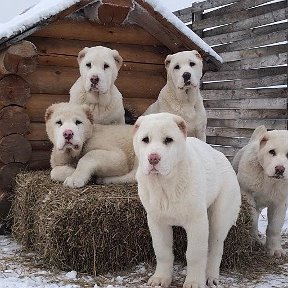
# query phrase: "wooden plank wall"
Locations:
[[251, 87], [140, 79]]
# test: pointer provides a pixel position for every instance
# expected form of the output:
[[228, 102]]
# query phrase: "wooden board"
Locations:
[[239, 18], [13, 119], [128, 34], [130, 83], [14, 90], [14, 148], [244, 94], [254, 103], [132, 53]]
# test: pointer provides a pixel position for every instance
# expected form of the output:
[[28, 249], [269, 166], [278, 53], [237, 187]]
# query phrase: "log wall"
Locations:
[[140, 79], [251, 87]]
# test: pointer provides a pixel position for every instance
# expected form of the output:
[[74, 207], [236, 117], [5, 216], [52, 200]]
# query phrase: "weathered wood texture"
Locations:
[[251, 87], [15, 148], [20, 58]]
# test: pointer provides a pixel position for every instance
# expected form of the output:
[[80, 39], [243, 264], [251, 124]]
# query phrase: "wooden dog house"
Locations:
[[38, 65]]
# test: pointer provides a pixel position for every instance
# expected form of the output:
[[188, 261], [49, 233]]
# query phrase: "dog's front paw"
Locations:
[[278, 253], [60, 173], [212, 281], [159, 281], [192, 284], [75, 182]]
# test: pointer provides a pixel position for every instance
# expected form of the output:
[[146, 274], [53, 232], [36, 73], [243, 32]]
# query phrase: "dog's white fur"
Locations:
[[100, 150], [181, 97], [190, 178], [103, 97], [262, 185]]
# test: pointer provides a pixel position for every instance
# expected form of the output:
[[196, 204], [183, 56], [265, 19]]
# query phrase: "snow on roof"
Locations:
[[170, 17], [41, 11], [47, 8]]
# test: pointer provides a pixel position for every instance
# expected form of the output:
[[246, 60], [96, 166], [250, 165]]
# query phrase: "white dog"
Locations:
[[181, 94], [180, 178], [95, 87], [82, 149], [262, 167]]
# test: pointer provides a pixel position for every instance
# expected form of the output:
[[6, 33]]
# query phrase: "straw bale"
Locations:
[[99, 229]]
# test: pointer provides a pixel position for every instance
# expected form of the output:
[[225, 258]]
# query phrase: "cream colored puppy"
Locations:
[[181, 94], [82, 149], [262, 167], [179, 178], [95, 87]]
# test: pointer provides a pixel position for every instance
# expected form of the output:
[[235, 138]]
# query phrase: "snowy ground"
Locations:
[[19, 269]]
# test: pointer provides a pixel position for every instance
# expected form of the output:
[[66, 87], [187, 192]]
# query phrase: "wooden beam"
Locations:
[[220, 95], [245, 19], [130, 83], [13, 91], [161, 27], [15, 148], [132, 53], [248, 123], [85, 30], [20, 58], [112, 11], [13, 119], [247, 83]]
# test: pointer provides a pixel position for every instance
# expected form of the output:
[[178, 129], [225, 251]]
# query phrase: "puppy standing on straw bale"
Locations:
[[95, 87], [82, 149], [262, 168], [179, 178], [181, 94]]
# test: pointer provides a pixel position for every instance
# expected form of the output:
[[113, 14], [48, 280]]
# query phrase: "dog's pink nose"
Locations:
[[279, 169], [154, 158], [94, 80], [68, 134]]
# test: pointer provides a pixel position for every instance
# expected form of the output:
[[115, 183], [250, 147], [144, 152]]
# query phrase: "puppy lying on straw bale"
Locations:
[[82, 149], [179, 178], [262, 168]]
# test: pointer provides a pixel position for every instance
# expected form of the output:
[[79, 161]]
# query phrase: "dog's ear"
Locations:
[[258, 133], [49, 112], [264, 140], [181, 124], [82, 54], [118, 59], [88, 113], [137, 124], [198, 55], [167, 61]]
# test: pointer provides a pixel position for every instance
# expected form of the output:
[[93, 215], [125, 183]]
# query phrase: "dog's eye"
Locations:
[[145, 140], [77, 122], [192, 64], [59, 123], [106, 66], [88, 64], [168, 140], [272, 152], [177, 67], [287, 155]]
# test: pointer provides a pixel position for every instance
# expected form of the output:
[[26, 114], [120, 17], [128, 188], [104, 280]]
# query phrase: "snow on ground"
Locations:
[[20, 269]]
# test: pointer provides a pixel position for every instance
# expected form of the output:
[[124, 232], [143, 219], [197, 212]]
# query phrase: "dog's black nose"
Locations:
[[186, 76], [279, 169], [94, 80]]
